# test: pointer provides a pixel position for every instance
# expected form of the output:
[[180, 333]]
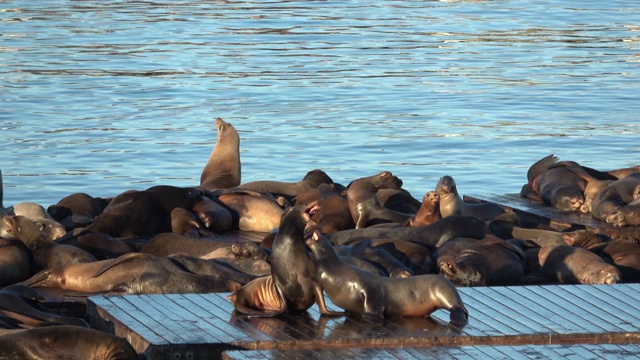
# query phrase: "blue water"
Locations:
[[106, 96]]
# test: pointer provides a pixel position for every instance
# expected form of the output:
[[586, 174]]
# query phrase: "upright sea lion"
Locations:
[[372, 296], [289, 190], [451, 203], [365, 208], [568, 265], [223, 170], [429, 211], [615, 195], [431, 236], [65, 342], [21, 307], [129, 274]]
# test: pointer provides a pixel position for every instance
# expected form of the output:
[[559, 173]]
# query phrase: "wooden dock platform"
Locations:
[[504, 320]]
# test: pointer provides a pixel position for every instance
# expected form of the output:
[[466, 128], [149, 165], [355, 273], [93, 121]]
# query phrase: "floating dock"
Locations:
[[528, 321]]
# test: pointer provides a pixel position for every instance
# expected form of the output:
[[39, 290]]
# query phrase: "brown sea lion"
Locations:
[[292, 268], [213, 214], [431, 236], [21, 307], [399, 200], [365, 208], [376, 255], [290, 190], [626, 215], [445, 255], [129, 274], [166, 244], [615, 195], [223, 170], [508, 230], [253, 211], [372, 296], [568, 265], [415, 256], [147, 212], [552, 182], [15, 261], [46, 253], [623, 253], [65, 342], [100, 245], [77, 210], [451, 203], [429, 211], [259, 297], [184, 222], [592, 188], [487, 262], [334, 214]]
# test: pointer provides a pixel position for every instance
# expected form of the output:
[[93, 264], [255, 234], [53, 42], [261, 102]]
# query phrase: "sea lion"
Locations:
[[15, 261], [487, 262], [334, 214], [372, 296], [615, 195], [378, 256], [46, 253], [365, 208], [223, 170], [451, 203], [381, 180], [429, 211], [184, 222], [292, 268], [399, 200], [508, 230], [592, 188], [259, 297], [133, 273], [166, 244], [141, 213], [552, 182], [213, 214], [623, 253], [65, 342], [77, 210], [253, 211], [290, 190], [568, 265], [626, 215], [21, 307], [431, 236], [100, 245], [35, 212]]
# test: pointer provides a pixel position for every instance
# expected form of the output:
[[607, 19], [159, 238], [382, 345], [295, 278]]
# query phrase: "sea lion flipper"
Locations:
[[322, 305], [541, 166], [120, 260]]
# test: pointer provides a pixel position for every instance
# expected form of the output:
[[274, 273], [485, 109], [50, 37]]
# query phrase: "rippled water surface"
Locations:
[[106, 96]]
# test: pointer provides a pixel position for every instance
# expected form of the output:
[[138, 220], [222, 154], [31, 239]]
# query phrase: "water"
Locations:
[[105, 96]]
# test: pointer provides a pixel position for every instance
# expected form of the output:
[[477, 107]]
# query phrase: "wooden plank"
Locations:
[[503, 317]]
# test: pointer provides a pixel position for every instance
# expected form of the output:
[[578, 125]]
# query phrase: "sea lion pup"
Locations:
[[431, 236], [65, 342], [568, 265], [487, 262], [133, 273], [451, 203], [615, 195], [293, 284], [552, 182], [46, 253], [223, 170], [289, 190], [365, 208], [373, 296], [429, 211], [21, 307]]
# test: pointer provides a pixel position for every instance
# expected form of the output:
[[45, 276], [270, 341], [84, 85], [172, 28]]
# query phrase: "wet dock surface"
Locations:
[[199, 326]]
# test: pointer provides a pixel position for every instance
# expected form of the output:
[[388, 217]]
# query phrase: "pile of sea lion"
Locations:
[[370, 246]]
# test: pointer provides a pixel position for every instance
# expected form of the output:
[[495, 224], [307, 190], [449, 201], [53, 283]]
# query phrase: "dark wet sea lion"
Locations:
[[147, 212], [46, 253], [376, 255], [289, 190], [615, 195], [568, 265], [508, 230], [373, 296], [21, 307], [414, 256], [554, 183], [445, 255], [15, 261], [487, 262], [254, 211], [129, 274], [65, 342], [184, 222], [429, 211], [431, 236], [451, 203], [212, 267], [100, 245], [399, 200], [365, 208], [78, 209], [223, 169], [292, 268]]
